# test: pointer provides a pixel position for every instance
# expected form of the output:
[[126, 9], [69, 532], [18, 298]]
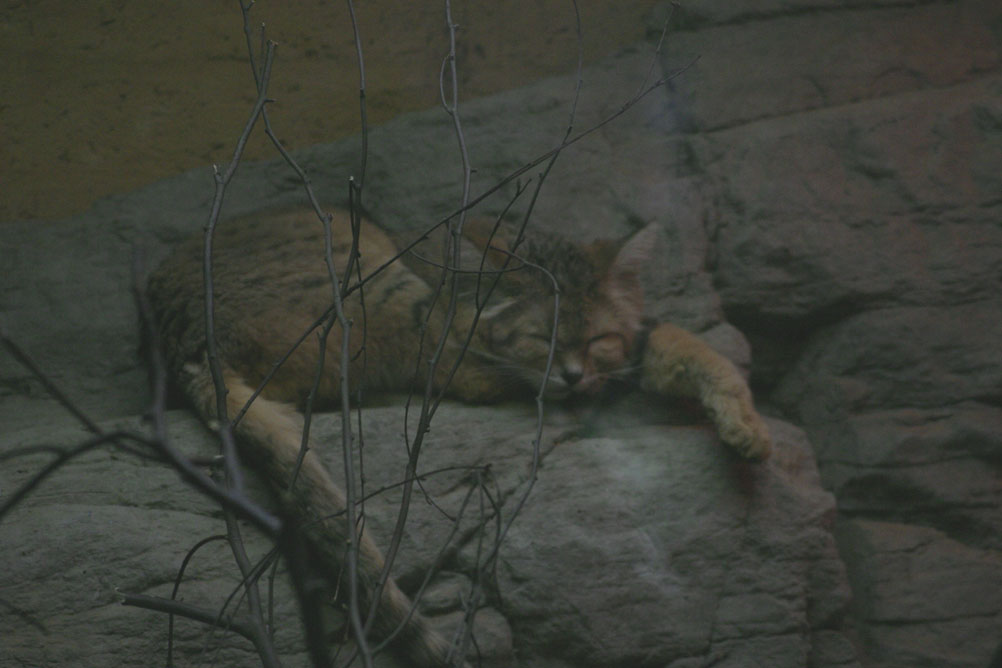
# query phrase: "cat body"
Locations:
[[272, 285]]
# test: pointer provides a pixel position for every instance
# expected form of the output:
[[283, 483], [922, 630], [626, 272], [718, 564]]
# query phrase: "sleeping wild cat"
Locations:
[[272, 283]]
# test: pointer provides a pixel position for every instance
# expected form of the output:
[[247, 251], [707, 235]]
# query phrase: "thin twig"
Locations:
[[236, 502], [234, 480], [177, 586], [263, 640], [353, 532], [451, 247], [234, 475], [25, 360], [180, 609], [432, 569], [535, 162], [361, 100], [62, 457]]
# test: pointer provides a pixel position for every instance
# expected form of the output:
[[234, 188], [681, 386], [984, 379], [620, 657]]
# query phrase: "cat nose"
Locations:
[[571, 375]]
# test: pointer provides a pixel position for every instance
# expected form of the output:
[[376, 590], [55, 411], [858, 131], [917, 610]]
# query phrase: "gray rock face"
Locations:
[[690, 564], [858, 244], [826, 181], [642, 543]]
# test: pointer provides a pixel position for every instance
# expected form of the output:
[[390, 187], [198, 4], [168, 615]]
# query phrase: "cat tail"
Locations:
[[268, 438]]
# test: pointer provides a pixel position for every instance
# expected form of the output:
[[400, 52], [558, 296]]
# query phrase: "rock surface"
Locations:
[[642, 543], [826, 179], [858, 243]]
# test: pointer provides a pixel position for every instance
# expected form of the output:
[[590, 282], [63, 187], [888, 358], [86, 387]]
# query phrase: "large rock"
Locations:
[[856, 241], [940, 609], [641, 543]]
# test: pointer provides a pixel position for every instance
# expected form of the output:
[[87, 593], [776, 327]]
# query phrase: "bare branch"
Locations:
[[452, 248], [25, 360], [62, 457], [266, 648], [234, 475], [180, 609], [361, 102], [177, 587]]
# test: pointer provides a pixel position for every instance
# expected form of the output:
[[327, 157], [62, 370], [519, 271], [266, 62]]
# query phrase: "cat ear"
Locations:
[[622, 281], [635, 253]]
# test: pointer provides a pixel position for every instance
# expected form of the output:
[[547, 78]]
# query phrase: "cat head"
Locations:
[[601, 308]]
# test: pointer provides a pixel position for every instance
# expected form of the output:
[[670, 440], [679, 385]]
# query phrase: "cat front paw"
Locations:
[[749, 437]]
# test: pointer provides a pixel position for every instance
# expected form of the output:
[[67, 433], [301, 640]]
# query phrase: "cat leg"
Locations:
[[677, 363]]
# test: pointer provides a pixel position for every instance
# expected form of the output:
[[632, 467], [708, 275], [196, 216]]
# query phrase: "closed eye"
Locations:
[[607, 349], [544, 338]]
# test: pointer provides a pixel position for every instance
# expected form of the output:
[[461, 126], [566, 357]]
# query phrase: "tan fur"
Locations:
[[271, 284], [678, 363]]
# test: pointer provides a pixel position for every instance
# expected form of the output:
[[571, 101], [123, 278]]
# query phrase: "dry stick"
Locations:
[[535, 162], [491, 561], [539, 397], [253, 575], [452, 243], [537, 440], [230, 499], [157, 413], [62, 457], [244, 628], [477, 587], [426, 413], [400, 483], [351, 560], [250, 628], [332, 315], [158, 417], [353, 520], [304, 444], [245, 13], [361, 99], [233, 473], [232, 468], [446, 543], [432, 569], [305, 179], [177, 587], [469, 615], [353, 526], [327, 317], [660, 45], [265, 646], [337, 315], [313, 630], [300, 172]]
